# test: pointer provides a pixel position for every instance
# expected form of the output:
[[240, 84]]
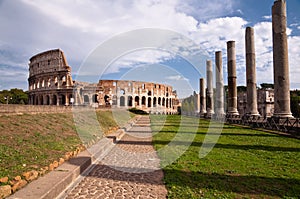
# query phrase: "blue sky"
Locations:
[[194, 29]]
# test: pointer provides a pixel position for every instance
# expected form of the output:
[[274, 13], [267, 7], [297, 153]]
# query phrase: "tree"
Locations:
[[266, 85], [14, 96]]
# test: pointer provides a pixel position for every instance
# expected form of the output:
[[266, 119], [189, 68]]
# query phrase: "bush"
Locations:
[[138, 111]]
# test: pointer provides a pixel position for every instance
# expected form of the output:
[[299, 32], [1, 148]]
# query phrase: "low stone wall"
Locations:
[[12, 109]]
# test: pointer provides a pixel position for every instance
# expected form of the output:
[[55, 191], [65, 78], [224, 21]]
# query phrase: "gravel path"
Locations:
[[130, 170]]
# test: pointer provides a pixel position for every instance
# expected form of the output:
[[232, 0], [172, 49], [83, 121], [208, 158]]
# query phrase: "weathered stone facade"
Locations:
[[50, 83], [265, 102]]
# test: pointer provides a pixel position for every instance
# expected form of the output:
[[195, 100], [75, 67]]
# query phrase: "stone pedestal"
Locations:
[[251, 73], [280, 61], [219, 110], [202, 97], [232, 89]]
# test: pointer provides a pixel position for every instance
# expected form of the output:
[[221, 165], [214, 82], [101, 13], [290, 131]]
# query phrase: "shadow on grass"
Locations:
[[253, 185], [224, 134]]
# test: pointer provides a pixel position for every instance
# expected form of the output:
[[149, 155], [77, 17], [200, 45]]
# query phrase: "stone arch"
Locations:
[[54, 102], [154, 102], [130, 100], [163, 101], [137, 100], [63, 80], [149, 101], [71, 98], [167, 103], [122, 101], [43, 83], [86, 99], [95, 98], [143, 100], [41, 100], [49, 82], [47, 100], [114, 100], [55, 81], [122, 92], [63, 99], [106, 100], [159, 101]]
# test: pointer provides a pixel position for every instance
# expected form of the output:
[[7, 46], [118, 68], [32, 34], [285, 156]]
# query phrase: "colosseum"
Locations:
[[50, 83]]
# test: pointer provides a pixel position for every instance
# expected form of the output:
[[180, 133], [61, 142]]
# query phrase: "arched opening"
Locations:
[[86, 99], [43, 83], [106, 100], [154, 102], [122, 92], [159, 101], [163, 102], [54, 100], [71, 99], [137, 100], [170, 103], [149, 101], [130, 100], [63, 80], [55, 81], [36, 100], [41, 100], [115, 99], [167, 103], [47, 100], [49, 82], [95, 98], [143, 100], [122, 101], [63, 99]]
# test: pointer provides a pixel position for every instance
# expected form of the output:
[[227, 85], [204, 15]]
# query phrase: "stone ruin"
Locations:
[[50, 83]]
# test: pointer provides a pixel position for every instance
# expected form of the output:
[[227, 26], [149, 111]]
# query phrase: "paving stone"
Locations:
[[130, 170]]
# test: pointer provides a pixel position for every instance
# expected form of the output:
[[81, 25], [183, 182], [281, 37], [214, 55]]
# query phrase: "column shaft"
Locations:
[[280, 61], [232, 89], [251, 73], [219, 84], [202, 97], [210, 89]]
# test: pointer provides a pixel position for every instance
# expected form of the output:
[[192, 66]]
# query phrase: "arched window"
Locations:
[[130, 100], [122, 101], [137, 100], [143, 100], [95, 98], [86, 99]]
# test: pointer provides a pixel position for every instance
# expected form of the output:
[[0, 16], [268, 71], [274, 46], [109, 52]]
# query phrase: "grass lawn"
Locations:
[[33, 141], [244, 163]]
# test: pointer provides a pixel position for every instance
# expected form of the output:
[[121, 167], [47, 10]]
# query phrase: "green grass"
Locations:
[[33, 141], [244, 163]]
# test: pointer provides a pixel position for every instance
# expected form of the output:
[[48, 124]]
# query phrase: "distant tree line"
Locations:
[[13, 96]]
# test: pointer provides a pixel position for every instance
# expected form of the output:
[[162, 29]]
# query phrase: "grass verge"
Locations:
[[34, 141], [244, 163]]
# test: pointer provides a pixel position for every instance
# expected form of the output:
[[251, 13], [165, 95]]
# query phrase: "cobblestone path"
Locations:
[[130, 170]]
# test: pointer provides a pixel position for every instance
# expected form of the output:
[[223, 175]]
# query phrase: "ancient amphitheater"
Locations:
[[50, 83]]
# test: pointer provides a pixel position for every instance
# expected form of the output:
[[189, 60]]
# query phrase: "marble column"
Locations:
[[202, 97], [232, 89], [210, 89], [219, 84], [251, 73], [280, 61]]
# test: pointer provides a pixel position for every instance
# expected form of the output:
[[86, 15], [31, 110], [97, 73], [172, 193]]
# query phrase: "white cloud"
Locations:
[[267, 17], [177, 78]]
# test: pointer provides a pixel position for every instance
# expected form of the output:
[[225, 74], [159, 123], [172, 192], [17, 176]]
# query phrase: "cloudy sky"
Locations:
[[166, 41]]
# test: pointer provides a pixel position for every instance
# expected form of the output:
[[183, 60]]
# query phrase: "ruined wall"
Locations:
[[50, 81]]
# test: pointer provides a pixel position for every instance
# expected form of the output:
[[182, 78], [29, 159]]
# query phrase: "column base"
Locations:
[[282, 115]]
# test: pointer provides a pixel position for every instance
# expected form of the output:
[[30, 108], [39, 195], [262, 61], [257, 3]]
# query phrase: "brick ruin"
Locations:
[[50, 83]]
